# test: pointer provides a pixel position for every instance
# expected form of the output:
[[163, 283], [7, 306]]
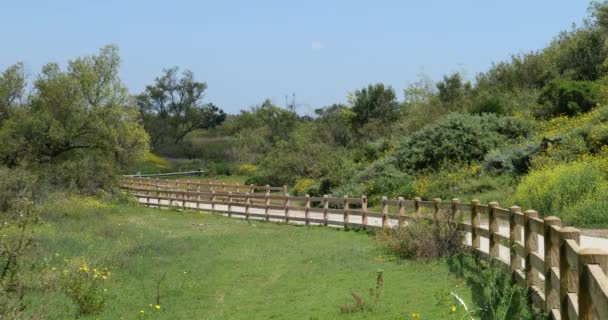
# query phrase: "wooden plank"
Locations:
[[426, 204], [572, 306], [483, 232], [518, 248], [502, 213], [463, 207], [597, 287], [537, 262], [536, 225]]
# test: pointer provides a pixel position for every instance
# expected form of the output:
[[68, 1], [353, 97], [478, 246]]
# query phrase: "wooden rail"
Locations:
[[564, 280]]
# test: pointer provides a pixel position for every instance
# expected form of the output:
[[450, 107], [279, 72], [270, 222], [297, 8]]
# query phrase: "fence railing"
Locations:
[[564, 280]]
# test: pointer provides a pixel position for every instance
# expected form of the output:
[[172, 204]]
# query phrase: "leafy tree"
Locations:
[[453, 90], [458, 138], [334, 124], [374, 102], [79, 128], [172, 108], [12, 88], [568, 97]]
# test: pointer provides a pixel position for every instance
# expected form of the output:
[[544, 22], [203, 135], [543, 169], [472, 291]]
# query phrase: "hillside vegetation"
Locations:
[[528, 131]]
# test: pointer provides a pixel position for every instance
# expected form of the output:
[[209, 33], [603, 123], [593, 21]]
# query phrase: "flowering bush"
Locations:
[[85, 286]]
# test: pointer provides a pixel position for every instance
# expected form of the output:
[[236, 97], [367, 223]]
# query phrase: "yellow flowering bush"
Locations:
[[302, 185], [247, 169], [85, 285]]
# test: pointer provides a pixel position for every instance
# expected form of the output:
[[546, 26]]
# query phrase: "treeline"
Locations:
[[509, 135]]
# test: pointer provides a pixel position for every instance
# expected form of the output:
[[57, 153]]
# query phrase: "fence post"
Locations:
[[267, 189], [247, 202], [364, 212], [251, 188], [568, 273], [229, 203], [286, 203], [530, 246], [436, 203], [266, 204], [402, 212], [416, 206], [588, 308], [325, 209], [223, 186], [212, 201], [475, 238], [514, 237], [238, 187], [345, 211], [307, 210], [285, 190], [384, 212], [551, 261], [493, 229]]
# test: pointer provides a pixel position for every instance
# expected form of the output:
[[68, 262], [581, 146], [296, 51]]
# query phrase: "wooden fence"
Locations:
[[564, 280]]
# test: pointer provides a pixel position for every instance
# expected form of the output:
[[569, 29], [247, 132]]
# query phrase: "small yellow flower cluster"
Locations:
[[155, 306], [416, 315]]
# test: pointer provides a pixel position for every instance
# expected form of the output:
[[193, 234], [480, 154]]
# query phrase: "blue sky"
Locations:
[[247, 51]]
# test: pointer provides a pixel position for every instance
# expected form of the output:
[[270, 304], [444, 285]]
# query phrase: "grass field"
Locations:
[[213, 267]]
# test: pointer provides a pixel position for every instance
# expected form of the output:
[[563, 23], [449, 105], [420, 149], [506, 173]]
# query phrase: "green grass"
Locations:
[[224, 268]]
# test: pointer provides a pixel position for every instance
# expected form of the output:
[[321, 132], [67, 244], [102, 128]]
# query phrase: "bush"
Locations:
[[381, 178], [465, 183], [567, 190], [216, 168], [568, 97], [458, 138], [85, 286], [516, 159], [424, 239]]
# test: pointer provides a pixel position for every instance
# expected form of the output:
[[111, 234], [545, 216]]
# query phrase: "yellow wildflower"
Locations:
[[453, 308], [157, 307], [416, 315]]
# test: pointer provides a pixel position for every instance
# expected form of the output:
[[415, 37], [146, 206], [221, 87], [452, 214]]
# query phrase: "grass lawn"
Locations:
[[213, 267]]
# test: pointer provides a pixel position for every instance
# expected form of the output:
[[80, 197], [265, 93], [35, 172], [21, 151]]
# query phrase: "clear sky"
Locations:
[[320, 50]]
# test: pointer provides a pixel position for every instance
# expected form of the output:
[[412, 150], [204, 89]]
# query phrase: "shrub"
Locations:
[[217, 168], [516, 159], [246, 169], [568, 97], [381, 178], [424, 239], [458, 138], [566, 189], [85, 286], [496, 294], [464, 182]]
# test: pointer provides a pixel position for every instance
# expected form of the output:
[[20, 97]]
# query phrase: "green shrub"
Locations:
[[381, 178], [458, 138], [218, 168], [465, 183], [85, 286], [566, 190], [590, 210], [515, 159], [568, 97], [424, 239]]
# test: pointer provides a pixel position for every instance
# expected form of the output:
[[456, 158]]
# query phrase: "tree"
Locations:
[[79, 128], [374, 102], [453, 90], [12, 88], [172, 108]]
